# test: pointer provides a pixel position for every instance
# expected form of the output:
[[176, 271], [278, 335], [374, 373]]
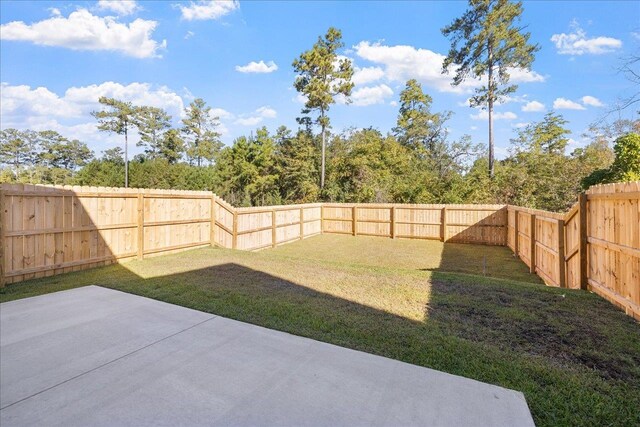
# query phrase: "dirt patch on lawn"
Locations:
[[538, 322]]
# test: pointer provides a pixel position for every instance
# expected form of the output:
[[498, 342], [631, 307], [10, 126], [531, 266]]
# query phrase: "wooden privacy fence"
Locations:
[[50, 230], [47, 230], [595, 246], [485, 224]]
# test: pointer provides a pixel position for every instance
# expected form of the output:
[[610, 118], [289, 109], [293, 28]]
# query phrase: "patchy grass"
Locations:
[[469, 310]]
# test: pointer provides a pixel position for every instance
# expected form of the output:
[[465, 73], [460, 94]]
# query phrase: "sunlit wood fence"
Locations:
[[484, 224], [595, 246], [48, 230]]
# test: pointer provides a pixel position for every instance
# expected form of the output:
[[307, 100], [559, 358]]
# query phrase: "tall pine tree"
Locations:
[[486, 41], [322, 76]]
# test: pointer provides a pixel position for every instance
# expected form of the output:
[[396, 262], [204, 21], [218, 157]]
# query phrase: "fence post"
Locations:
[[516, 232], [561, 255], [393, 222], [273, 228], [583, 241], [140, 225], [443, 225], [214, 215], [234, 241], [302, 223], [354, 220], [532, 238]]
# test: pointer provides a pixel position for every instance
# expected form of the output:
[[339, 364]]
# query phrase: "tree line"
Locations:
[[416, 162]]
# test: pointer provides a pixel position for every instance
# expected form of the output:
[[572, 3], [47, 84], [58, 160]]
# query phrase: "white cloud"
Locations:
[[186, 94], [40, 101], [507, 99], [208, 9], [221, 113], [366, 75], [592, 101], [533, 106], [121, 7], [136, 93], [299, 98], [257, 67], [520, 75], [40, 108], [189, 35], [249, 121], [520, 125], [370, 95], [257, 116], [566, 104], [484, 115], [267, 112], [19, 103], [577, 42], [401, 63], [393, 103], [85, 31], [54, 11]]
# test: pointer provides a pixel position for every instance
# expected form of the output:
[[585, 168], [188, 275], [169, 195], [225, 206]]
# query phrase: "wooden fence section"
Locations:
[[537, 238], [595, 245], [270, 226], [485, 224], [48, 230], [612, 241]]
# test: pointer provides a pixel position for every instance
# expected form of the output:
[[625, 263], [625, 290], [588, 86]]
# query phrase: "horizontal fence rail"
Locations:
[[48, 230]]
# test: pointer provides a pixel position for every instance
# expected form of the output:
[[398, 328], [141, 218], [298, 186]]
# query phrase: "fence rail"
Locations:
[[48, 230]]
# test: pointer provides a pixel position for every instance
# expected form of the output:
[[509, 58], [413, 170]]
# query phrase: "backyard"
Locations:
[[469, 310]]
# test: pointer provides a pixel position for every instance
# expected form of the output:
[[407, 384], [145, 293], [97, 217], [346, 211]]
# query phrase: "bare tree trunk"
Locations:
[[323, 154], [126, 158], [197, 141], [490, 101], [490, 138], [323, 148]]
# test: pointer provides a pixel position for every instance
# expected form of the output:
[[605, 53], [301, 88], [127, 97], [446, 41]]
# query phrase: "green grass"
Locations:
[[469, 310]]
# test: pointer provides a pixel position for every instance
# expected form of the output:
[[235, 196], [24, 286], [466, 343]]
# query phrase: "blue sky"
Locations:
[[57, 58]]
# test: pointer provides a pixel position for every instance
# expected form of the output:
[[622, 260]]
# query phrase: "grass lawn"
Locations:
[[468, 310]]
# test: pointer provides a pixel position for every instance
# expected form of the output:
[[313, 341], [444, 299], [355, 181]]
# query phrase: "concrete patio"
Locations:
[[95, 356]]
